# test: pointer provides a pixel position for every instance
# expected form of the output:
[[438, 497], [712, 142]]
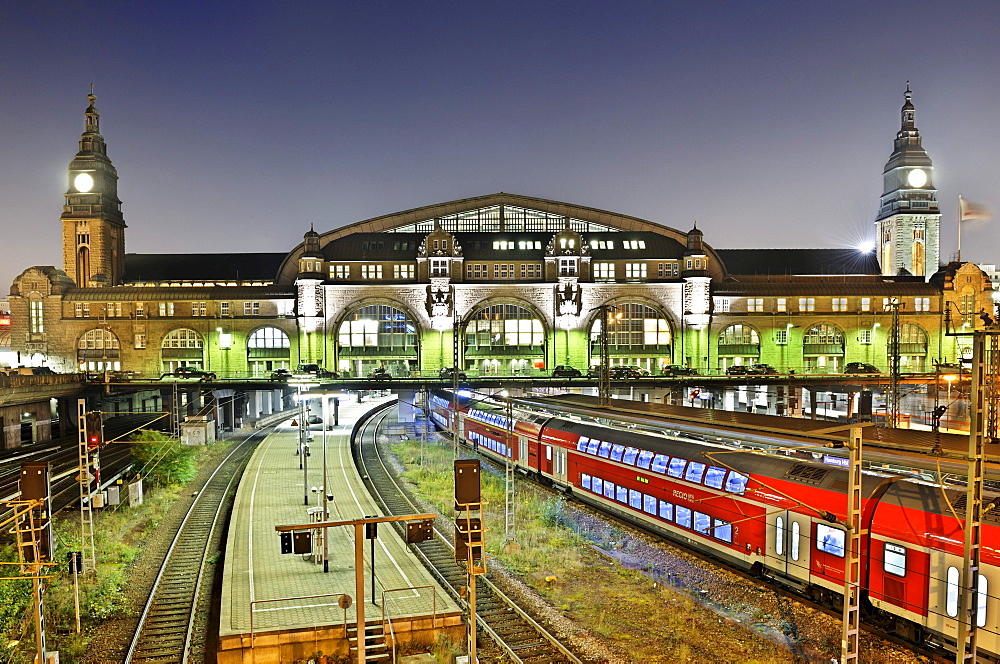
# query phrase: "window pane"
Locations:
[[694, 472], [660, 463], [622, 495], [683, 517], [736, 483], [894, 561], [702, 523], [714, 477], [604, 450], [951, 594], [649, 504], [644, 458], [593, 446], [585, 480], [666, 510], [981, 604], [609, 490], [676, 468], [616, 452], [724, 530], [630, 454], [581, 445], [830, 540], [795, 540], [779, 536], [635, 499]]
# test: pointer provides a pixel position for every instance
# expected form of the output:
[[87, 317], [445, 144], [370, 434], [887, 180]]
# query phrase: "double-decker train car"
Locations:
[[776, 516]]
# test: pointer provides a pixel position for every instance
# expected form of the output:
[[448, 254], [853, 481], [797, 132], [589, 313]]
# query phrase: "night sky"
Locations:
[[234, 126]]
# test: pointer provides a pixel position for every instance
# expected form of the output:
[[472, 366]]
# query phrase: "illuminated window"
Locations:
[[921, 304], [951, 593], [840, 304], [531, 270], [702, 523], [866, 304], [807, 304], [779, 536], [604, 270], [371, 271], [635, 270], [567, 267], [781, 304], [755, 304], [781, 337], [723, 530], [439, 267], [166, 308], [81, 309], [340, 271], [199, 308], [865, 335], [795, 540], [722, 305], [666, 510], [830, 540], [402, 271], [683, 516], [503, 271], [894, 559]]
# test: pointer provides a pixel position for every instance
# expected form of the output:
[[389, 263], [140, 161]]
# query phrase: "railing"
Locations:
[[288, 608], [18, 380], [388, 618]]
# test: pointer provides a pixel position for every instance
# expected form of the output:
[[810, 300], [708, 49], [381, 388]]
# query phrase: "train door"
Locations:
[[788, 544], [547, 454], [522, 451], [558, 464]]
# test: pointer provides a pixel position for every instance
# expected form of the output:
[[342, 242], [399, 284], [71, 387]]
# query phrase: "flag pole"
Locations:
[[958, 257]]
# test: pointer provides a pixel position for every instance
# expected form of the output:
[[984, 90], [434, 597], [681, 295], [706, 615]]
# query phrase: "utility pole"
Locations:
[[893, 352], [608, 312], [849, 642], [89, 550]]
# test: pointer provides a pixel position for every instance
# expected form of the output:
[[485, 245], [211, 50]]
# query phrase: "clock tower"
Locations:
[[908, 219], [93, 226]]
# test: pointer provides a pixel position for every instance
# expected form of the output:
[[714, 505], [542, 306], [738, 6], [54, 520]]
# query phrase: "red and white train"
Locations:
[[775, 516]]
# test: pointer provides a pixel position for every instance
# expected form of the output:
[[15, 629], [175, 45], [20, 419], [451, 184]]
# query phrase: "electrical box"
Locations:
[[467, 483]]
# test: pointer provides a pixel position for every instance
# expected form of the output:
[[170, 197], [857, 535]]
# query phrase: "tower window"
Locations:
[[439, 267], [36, 321]]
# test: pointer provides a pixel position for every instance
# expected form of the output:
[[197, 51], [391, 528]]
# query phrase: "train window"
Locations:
[[951, 595], [622, 495], [597, 486], [630, 454], [604, 450], [694, 472], [779, 536], [723, 531], [666, 510], [660, 463], [894, 559], [714, 476], [676, 468], [609, 490], [683, 517], [616, 452], [736, 482], [644, 458], [830, 540], [795, 540], [635, 499], [593, 445], [581, 445], [702, 523], [585, 480], [649, 504], [981, 604]]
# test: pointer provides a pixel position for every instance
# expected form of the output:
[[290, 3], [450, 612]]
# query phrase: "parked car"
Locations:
[[566, 371], [738, 370], [315, 370], [194, 372], [762, 370], [122, 376], [625, 372], [642, 372], [860, 368], [281, 375], [673, 370], [380, 373], [594, 371], [448, 373]]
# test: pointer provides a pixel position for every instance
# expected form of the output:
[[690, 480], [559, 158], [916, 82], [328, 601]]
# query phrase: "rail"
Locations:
[[387, 619]]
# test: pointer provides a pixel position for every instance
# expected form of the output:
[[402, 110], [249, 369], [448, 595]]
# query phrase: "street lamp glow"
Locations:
[[866, 247]]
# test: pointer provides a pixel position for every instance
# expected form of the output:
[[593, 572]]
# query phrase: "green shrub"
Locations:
[[163, 460]]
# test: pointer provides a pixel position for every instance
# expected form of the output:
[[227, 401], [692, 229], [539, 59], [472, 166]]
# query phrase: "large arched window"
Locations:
[[377, 335], [823, 348], [98, 349], [182, 347], [912, 347], [637, 334], [268, 348], [504, 339], [739, 344]]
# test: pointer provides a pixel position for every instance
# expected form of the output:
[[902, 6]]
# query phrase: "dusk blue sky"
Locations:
[[236, 125]]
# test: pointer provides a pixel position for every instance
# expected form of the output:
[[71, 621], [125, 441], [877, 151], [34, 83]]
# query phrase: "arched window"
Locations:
[[912, 347], [268, 337], [182, 347], [634, 325], [918, 259], [912, 335], [823, 348], [182, 338], [98, 349], [500, 326], [379, 326], [824, 334], [739, 334]]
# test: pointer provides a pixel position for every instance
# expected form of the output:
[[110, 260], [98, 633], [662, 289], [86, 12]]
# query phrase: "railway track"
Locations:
[[497, 616], [166, 630]]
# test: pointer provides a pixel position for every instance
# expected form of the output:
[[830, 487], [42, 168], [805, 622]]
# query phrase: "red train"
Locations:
[[775, 516]]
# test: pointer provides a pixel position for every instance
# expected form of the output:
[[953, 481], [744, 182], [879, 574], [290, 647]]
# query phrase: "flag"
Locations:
[[973, 211]]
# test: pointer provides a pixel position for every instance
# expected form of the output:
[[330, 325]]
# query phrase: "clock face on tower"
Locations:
[[916, 177], [83, 182]]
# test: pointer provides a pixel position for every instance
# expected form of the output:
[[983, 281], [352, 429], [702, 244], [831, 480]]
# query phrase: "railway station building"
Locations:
[[497, 284]]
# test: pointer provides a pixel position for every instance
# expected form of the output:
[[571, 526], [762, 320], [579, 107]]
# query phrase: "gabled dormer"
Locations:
[[567, 256], [439, 256]]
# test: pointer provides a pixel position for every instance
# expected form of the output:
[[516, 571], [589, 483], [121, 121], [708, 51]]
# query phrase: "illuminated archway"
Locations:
[[738, 344], [268, 348], [638, 334], [377, 334], [182, 347], [504, 338], [98, 349], [823, 349]]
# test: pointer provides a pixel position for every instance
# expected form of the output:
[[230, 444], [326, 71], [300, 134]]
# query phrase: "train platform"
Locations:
[[284, 608]]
